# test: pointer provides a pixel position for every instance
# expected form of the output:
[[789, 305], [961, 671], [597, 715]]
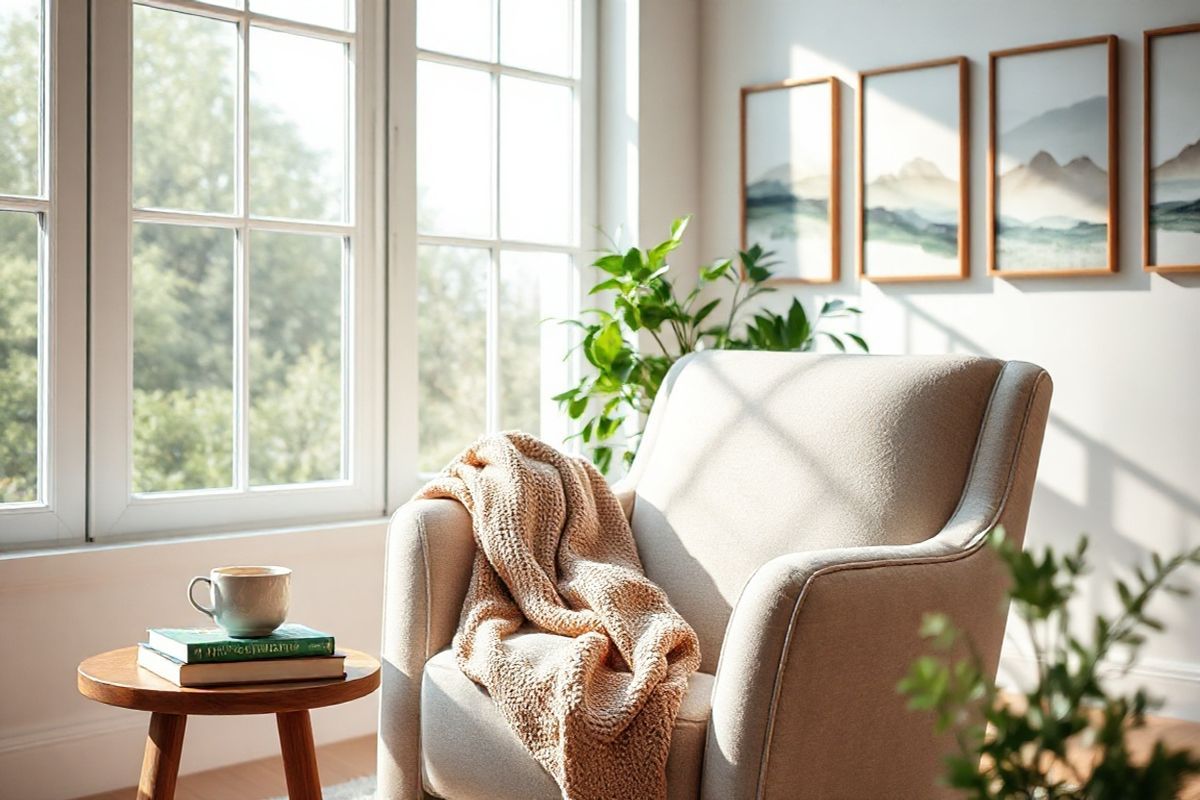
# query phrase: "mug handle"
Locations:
[[192, 600]]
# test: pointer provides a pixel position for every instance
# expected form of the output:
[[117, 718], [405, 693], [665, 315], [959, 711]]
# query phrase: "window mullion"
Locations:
[[492, 337], [241, 291], [492, 342], [35, 205]]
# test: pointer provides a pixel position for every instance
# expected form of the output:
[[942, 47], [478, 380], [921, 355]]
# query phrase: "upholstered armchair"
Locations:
[[802, 512]]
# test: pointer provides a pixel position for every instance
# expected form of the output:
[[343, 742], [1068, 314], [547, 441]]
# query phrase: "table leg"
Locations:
[[160, 764], [299, 756]]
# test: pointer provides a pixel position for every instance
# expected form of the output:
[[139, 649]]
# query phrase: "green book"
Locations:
[[206, 645]]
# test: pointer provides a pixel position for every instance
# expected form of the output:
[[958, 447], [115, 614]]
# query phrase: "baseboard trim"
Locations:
[[1175, 683], [52, 735]]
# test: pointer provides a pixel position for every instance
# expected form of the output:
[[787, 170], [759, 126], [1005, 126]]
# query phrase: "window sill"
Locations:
[[349, 524]]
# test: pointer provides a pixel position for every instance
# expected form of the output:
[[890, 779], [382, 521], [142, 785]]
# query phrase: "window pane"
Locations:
[[20, 95], [454, 150], [184, 111], [535, 291], [536, 161], [296, 400], [330, 13], [537, 35], [182, 357], [18, 356], [451, 334], [459, 27], [298, 125]]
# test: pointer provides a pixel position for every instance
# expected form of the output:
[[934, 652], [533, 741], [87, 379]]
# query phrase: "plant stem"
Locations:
[[723, 339], [662, 346]]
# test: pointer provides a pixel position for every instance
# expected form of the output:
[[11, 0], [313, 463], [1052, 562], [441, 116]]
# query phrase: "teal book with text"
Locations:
[[207, 645]]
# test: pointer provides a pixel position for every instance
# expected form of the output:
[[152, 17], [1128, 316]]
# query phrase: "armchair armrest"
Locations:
[[806, 695], [430, 548]]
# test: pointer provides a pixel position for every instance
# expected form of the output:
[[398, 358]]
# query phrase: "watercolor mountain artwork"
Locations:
[[788, 168], [910, 168], [1052, 207], [1175, 207], [788, 213], [1074, 130], [912, 214]]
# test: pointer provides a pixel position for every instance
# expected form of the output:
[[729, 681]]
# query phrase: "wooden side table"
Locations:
[[115, 678]]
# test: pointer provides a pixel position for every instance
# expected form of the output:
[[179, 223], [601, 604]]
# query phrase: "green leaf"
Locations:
[[858, 340], [679, 226], [715, 270], [602, 458], [613, 263], [634, 259], [605, 346], [798, 331], [604, 286], [757, 274], [607, 426], [577, 407], [704, 311]]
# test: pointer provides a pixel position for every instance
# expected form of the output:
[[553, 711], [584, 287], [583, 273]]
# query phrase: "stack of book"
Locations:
[[210, 657]]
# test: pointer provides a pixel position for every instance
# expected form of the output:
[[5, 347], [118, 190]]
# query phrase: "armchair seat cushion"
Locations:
[[469, 752]]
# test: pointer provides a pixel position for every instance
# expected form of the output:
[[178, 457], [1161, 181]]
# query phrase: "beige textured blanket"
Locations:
[[555, 550]]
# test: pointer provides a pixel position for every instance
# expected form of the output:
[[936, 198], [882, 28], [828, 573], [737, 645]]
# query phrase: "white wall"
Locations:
[[1122, 453], [649, 147], [58, 608], [669, 152]]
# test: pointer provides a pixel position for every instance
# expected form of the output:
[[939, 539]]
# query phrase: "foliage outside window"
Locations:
[[501, 115]]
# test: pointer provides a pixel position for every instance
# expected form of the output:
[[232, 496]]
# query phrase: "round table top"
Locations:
[[116, 679]]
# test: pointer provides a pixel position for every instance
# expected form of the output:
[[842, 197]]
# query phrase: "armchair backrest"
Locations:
[[751, 455]]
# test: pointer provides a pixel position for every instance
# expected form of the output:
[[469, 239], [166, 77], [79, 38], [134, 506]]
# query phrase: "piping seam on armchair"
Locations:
[[973, 545], [421, 531]]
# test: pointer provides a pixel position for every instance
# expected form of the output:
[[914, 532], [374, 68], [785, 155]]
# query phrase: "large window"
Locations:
[[500, 215], [41, 273], [236, 348], [199, 328]]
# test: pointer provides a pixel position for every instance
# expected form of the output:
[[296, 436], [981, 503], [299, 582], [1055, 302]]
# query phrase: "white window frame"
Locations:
[[115, 511], [405, 239], [57, 516]]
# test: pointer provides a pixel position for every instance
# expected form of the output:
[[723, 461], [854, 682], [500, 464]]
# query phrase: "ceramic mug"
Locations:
[[247, 602]]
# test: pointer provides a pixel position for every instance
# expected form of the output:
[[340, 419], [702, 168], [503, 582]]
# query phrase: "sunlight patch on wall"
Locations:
[[1064, 466]]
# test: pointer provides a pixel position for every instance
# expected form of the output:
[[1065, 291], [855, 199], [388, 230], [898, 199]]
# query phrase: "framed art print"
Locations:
[[1052, 159], [790, 177], [912, 169], [1171, 150]]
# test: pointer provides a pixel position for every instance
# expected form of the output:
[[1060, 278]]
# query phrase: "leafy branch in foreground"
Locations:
[[625, 380], [1066, 736]]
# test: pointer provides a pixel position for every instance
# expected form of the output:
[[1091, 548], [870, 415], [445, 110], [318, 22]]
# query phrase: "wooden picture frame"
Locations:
[[934, 186], [832, 194], [1112, 164], [1149, 254]]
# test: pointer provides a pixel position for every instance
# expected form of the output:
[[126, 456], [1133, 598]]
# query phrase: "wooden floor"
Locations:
[[354, 758], [257, 780]]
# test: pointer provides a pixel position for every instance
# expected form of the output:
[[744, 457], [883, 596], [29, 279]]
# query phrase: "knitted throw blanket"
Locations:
[[554, 549]]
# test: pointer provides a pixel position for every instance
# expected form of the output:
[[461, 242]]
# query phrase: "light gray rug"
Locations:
[[357, 789]]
